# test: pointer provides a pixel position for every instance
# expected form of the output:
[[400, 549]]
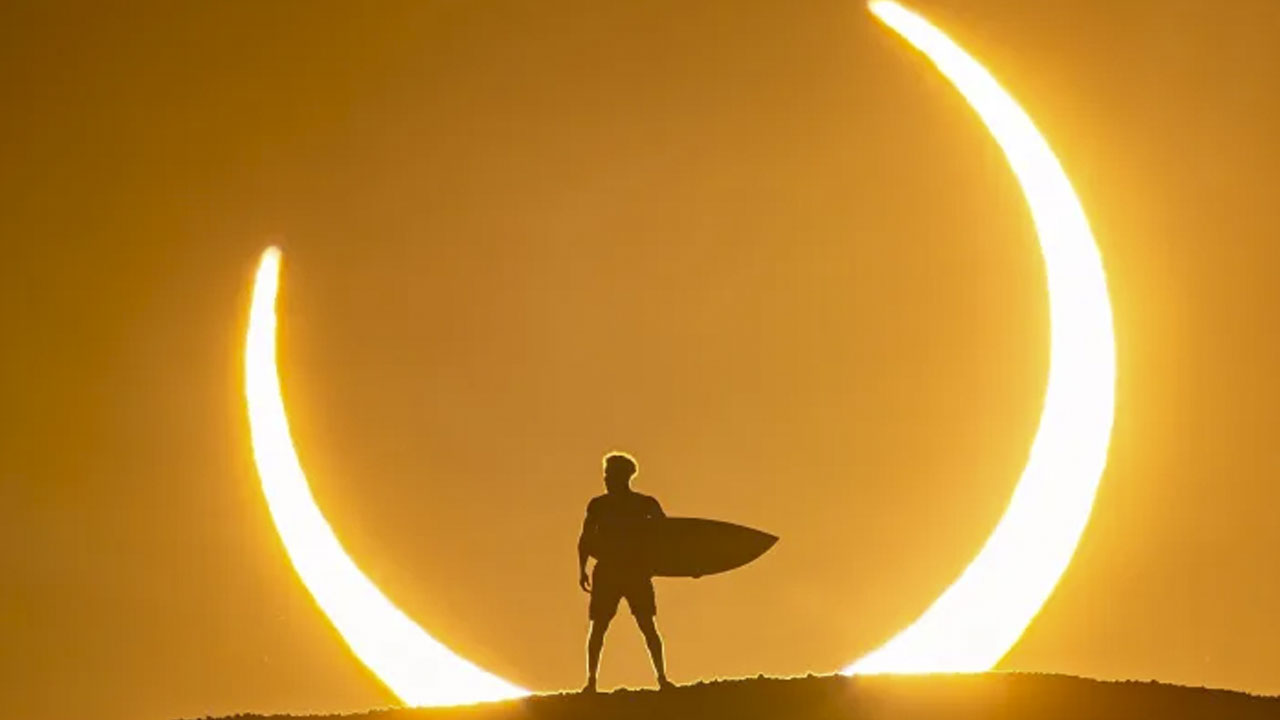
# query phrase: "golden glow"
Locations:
[[414, 665], [984, 612]]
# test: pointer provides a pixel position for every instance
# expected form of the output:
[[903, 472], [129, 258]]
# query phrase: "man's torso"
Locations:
[[620, 521]]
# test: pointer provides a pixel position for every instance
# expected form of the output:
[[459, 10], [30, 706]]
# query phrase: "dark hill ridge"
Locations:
[[991, 696]]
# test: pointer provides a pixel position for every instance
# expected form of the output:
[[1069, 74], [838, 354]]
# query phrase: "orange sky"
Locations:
[[759, 245]]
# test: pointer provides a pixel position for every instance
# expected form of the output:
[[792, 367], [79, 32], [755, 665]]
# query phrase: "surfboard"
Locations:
[[693, 547]]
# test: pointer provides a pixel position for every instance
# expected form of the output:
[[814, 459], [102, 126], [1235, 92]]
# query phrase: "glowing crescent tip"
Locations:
[[414, 665], [984, 612]]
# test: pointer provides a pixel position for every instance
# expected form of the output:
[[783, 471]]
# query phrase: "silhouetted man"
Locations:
[[612, 534]]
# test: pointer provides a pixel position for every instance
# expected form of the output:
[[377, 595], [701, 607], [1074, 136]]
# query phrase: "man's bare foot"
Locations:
[[665, 684], [590, 687]]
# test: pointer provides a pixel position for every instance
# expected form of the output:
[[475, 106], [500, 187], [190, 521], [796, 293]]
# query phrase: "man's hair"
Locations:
[[621, 463]]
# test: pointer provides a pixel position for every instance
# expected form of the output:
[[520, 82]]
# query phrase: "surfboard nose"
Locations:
[[693, 547]]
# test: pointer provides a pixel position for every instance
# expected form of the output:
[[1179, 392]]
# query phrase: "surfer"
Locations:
[[610, 535]]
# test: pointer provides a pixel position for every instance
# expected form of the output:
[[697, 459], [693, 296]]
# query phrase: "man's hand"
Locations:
[[584, 580]]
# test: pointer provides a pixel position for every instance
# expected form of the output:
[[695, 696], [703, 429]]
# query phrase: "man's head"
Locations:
[[619, 467]]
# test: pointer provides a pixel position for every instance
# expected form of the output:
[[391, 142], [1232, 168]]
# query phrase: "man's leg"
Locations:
[[653, 641], [595, 644], [605, 596]]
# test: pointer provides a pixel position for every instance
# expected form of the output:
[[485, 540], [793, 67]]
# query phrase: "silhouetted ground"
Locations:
[[993, 696]]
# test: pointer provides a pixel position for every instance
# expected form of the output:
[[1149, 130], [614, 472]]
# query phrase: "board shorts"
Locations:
[[610, 586]]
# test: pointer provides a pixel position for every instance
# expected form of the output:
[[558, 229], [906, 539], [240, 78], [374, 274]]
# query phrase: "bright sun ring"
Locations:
[[968, 628]]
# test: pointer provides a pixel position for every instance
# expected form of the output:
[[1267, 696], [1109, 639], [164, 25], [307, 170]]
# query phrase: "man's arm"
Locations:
[[584, 550], [656, 510]]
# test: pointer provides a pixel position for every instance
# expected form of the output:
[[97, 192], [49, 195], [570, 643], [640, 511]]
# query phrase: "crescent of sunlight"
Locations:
[[984, 612]]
